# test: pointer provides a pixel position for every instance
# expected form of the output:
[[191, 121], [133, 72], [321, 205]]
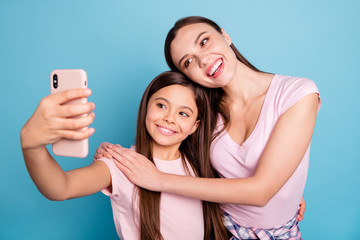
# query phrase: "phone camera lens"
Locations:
[[55, 81]]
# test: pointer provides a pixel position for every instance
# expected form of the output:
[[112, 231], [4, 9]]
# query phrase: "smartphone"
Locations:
[[61, 80]]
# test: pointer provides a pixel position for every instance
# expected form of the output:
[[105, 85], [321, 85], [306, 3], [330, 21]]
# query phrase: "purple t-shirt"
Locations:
[[232, 160]]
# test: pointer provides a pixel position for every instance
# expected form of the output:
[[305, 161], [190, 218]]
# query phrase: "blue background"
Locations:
[[120, 45]]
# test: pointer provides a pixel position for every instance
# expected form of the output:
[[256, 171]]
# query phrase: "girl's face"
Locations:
[[204, 55], [171, 116]]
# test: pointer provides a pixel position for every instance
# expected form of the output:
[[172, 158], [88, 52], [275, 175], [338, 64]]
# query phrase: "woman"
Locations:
[[262, 127]]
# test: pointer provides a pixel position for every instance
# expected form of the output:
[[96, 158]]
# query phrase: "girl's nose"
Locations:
[[169, 118]]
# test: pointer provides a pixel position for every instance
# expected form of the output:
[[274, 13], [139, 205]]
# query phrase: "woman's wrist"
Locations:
[[27, 141]]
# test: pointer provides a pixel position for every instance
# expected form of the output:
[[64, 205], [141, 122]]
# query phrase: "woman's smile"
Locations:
[[215, 69]]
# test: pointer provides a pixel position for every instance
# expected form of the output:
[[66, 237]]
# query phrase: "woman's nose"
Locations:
[[203, 60]]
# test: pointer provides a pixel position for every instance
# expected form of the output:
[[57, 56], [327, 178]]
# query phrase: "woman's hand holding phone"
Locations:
[[53, 120]]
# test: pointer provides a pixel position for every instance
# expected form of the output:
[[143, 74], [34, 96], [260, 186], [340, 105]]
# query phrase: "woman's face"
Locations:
[[204, 55]]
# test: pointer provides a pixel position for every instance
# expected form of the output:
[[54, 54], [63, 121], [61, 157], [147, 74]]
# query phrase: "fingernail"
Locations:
[[87, 91]]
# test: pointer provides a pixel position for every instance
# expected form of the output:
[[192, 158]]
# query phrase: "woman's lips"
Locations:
[[216, 68]]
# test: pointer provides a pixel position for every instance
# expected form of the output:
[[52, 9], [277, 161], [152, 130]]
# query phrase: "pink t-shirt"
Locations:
[[232, 160], [180, 217]]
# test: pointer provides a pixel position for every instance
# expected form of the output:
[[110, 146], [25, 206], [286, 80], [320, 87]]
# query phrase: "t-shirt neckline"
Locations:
[[249, 139]]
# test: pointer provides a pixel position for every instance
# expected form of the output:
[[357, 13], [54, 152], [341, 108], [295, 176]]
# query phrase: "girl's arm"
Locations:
[[283, 153], [57, 185], [50, 122]]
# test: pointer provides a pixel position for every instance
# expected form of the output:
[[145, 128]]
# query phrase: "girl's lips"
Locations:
[[215, 69], [165, 131]]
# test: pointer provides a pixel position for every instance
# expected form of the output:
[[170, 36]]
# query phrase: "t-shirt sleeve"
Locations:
[[117, 177], [293, 90]]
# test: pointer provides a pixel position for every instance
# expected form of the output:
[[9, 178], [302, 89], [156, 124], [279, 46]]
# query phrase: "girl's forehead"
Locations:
[[176, 94], [175, 90]]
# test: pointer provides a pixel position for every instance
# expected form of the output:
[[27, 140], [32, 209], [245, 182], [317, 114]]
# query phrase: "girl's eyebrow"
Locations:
[[165, 100], [196, 40]]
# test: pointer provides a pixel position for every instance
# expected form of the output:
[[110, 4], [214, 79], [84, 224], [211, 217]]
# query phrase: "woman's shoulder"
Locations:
[[288, 90], [294, 82]]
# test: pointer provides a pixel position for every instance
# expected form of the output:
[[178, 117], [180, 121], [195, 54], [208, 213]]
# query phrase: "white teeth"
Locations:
[[215, 67], [166, 130]]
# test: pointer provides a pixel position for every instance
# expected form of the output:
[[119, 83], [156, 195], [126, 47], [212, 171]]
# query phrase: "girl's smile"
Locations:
[[166, 131]]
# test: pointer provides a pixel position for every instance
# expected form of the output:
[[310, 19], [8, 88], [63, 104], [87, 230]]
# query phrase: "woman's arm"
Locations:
[[283, 153], [50, 122]]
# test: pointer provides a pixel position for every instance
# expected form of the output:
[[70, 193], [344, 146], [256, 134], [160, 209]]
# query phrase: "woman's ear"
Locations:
[[226, 36], [196, 125]]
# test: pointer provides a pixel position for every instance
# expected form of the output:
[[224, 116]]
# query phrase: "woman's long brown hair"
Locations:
[[195, 148], [215, 94]]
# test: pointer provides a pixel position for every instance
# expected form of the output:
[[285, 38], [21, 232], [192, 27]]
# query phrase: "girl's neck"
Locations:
[[166, 152], [246, 85]]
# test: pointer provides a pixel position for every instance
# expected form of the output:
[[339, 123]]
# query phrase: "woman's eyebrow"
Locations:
[[196, 40], [198, 37]]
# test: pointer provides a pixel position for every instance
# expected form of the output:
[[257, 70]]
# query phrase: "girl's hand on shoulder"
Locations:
[[137, 168], [52, 120], [102, 151]]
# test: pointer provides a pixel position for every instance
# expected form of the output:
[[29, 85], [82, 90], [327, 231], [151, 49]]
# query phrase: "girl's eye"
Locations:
[[203, 42], [184, 114], [187, 62], [160, 105]]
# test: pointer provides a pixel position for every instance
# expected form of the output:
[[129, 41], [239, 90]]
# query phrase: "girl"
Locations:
[[172, 126], [262, 126]]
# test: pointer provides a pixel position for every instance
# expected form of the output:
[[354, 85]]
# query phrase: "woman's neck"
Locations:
[[246, 85]]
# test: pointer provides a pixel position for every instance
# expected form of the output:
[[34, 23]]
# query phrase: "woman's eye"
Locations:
[[187, 62], [184, 114], [204, 41]]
